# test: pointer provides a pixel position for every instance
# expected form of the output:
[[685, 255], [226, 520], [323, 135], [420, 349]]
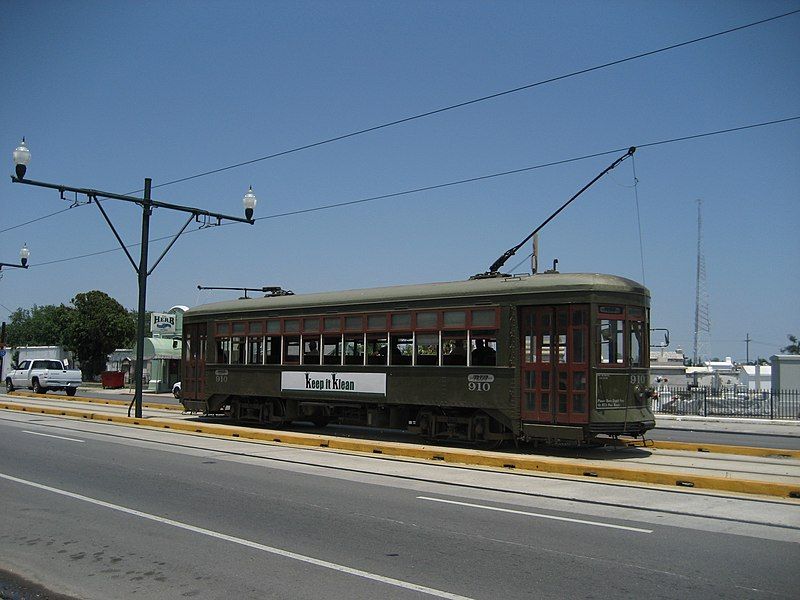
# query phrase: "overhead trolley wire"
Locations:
[[477, 100], [451, 183]]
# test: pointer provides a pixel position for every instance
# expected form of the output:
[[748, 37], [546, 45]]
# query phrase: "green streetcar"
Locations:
[[547, 357]]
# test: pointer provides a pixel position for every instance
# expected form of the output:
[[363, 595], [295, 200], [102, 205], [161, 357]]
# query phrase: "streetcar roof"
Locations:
[[541, 283]]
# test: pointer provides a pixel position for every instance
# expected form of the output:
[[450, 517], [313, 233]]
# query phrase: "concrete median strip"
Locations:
[[494, 460]]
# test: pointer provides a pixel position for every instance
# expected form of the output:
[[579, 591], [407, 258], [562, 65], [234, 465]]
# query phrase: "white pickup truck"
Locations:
[[43, 375]]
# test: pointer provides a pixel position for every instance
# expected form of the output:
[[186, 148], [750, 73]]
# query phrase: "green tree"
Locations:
[[794, 347], [38, 326], [98, 326]]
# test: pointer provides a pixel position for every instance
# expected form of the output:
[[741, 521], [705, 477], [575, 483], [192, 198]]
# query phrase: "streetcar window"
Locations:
[[256, 327], [354, 349], [332, 324], [355, 323], [291, 349], [332, 349], [544, 401], [291, 325], [272, 350], [237, 350], [401, 348], [223, 328], [637, 345], [578, 346], [579, 391], [455, 318], [611, 339], [223, 350], [377, 345], [427, 348], [546, 347], [427, 320], [483, 348], [311, 350], [562, 348], [238, 327], [635, 312], [273, 326], [530, 348], [484, 318], [376, 322], [310, 325], [401, 321], [454, 348], [255, 350]]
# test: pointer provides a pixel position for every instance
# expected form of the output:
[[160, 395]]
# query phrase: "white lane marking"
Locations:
[[539, 515], [242, 542], [60, 437]]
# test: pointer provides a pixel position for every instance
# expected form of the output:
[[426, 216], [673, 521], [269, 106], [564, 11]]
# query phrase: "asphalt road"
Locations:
[[99, 511]]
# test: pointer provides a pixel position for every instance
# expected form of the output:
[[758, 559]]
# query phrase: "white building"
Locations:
[[755, 377]]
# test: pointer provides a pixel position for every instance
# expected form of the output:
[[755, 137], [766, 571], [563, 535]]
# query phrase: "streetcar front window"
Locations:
[[637, 344], [611, 341]]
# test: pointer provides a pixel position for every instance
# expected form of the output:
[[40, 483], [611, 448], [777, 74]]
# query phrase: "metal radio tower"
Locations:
[[702, 323]]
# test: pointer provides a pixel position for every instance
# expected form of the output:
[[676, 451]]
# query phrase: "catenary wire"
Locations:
[[58, 212], [450, 184], [477, 100]]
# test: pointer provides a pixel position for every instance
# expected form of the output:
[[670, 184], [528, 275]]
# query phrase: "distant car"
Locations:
[[176, 390]]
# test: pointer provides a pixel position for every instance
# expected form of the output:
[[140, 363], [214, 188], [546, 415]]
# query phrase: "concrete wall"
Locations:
[[785, 371]]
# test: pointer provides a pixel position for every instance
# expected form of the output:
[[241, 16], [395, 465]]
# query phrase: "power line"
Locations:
[[58, 212], [477, 100], [453, 183]]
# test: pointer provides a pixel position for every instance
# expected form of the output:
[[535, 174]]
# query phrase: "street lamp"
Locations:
[[22, 157], [249, 202], [24, 255]]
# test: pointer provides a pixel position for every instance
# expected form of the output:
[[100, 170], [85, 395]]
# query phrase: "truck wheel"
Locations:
[[70, 391], [9, 385], [37, 388]]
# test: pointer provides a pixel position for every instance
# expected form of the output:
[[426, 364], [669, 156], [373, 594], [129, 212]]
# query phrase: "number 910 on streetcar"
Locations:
[[552, 357]]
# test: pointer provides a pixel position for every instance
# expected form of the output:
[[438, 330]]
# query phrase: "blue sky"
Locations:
[[108, 93]]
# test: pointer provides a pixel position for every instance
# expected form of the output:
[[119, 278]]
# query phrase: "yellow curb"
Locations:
[[724, 449], [89, 400], [446, 455]]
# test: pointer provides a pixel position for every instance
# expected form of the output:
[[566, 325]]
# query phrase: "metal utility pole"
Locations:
[[747, 341], [702, 322], [22, 158]]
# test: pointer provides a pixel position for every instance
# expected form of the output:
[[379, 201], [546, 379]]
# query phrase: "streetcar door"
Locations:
[[554, 364], [194, 361]]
